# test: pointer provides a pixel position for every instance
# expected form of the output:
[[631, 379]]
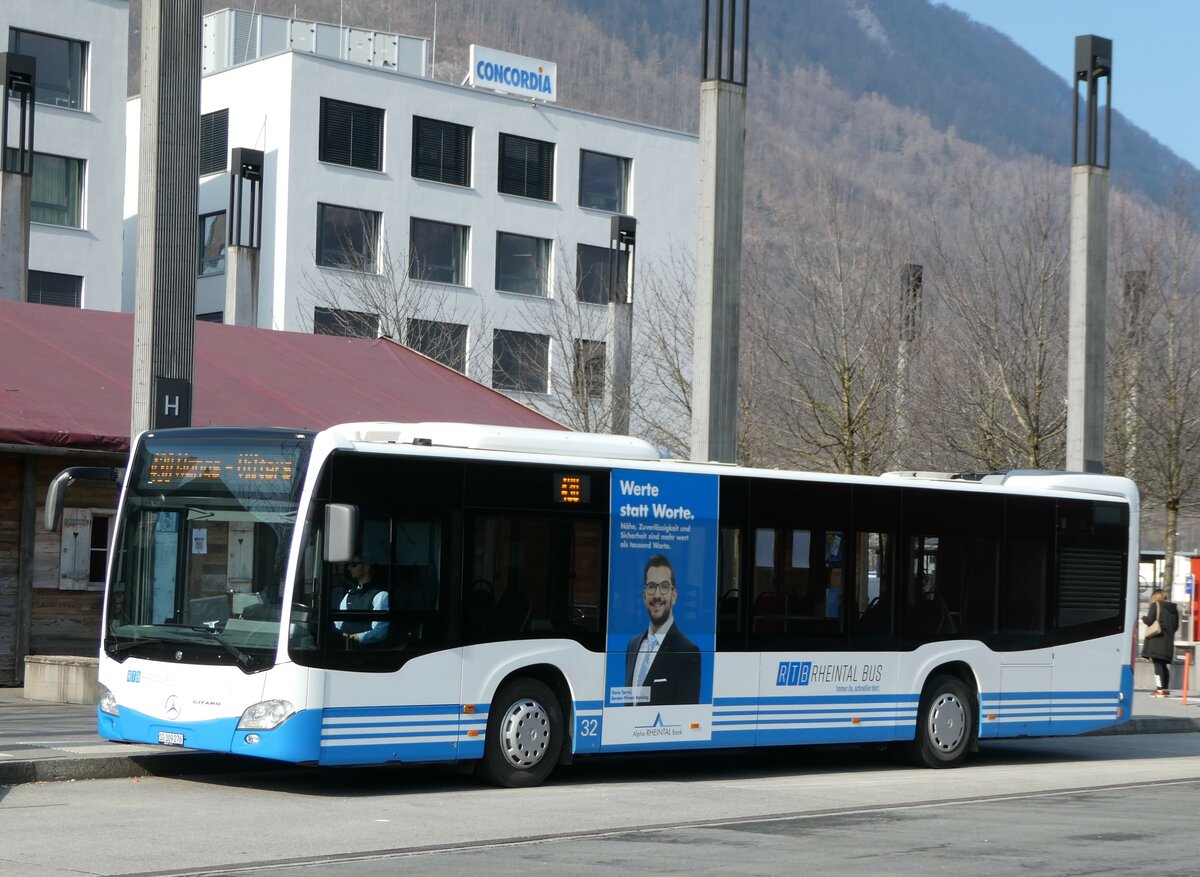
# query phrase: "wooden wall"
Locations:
[[11, 468], [62, 622]]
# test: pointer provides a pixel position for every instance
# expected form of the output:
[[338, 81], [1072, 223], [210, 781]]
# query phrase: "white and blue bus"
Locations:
[[379, 593]]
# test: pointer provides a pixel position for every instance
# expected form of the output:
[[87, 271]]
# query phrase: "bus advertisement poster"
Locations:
[[661, 608]]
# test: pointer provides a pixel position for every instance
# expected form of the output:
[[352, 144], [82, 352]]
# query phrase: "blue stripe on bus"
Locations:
[[814, 699], [853, 710], [450, 732], [416, 724], [338, 712], [799, 721]]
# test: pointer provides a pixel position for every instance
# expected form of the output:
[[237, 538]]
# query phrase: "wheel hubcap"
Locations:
[[947, 723], [525, 733]]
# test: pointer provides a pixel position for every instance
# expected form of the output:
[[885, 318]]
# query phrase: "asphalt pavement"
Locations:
[[44, 742]]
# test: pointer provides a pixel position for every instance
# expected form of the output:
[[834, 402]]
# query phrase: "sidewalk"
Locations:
[[41, 742]]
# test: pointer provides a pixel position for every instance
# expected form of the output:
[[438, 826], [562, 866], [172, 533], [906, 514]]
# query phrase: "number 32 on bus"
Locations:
[[381, 593]]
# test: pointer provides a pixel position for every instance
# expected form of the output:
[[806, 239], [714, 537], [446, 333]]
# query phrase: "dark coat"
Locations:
[[1162, 647], [674, 675]]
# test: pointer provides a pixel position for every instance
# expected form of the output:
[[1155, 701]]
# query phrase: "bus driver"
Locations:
[[362, 596]]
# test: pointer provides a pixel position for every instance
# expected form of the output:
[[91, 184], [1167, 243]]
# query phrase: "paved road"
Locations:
[[1078, 805]]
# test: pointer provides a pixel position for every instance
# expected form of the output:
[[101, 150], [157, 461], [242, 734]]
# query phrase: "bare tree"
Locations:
[[997, 384], [823, 328], [374, 291], [662, 353], [1168, 463]]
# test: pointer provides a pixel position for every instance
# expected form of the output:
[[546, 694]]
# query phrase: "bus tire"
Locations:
[[524, 735], [945, 724]]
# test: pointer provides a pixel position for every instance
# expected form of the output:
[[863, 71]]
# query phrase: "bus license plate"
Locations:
[[170, 738]]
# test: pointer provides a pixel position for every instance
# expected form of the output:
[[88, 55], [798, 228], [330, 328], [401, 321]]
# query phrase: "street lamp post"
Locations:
[[1089, 259]]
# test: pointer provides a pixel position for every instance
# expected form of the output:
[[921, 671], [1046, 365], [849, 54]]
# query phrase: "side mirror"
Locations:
[[64, 479], [341, 527]]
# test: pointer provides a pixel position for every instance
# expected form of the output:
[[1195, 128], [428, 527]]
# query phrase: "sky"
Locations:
[[1155, 80]]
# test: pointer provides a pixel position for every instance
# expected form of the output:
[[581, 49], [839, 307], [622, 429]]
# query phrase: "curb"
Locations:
[[118, 767], [1149, 725]]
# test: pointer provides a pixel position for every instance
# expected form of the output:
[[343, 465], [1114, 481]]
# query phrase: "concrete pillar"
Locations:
[[17, 89], [165, 309], [618, 330], [243, 236], [241, 286], [1086, 342], [718, 271], [1089, 255], [15, 193]]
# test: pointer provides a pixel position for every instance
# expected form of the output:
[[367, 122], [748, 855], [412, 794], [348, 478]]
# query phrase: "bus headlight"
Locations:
[[108, 702], [265, 715]]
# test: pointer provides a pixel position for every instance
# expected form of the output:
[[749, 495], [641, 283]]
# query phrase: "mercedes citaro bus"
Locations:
[[378, 593]]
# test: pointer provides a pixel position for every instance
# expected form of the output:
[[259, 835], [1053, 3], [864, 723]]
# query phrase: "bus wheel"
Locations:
[[524, 735], [945, 724]]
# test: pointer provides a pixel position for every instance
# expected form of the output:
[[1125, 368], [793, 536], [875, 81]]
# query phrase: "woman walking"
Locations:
[[1162, 620]]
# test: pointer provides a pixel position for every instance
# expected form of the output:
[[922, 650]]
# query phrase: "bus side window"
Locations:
[[873, 582], [729, 582]]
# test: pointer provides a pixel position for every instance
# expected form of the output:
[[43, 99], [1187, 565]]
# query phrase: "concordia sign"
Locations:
[[513, 74]]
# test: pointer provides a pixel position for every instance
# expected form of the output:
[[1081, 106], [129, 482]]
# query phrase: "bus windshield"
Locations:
[[199, 557]]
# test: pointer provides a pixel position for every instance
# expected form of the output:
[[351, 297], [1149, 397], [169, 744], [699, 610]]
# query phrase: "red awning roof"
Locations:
[[65, 378]]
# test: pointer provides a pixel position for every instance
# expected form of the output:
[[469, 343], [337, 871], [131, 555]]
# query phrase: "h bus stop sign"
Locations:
[[172, 403]]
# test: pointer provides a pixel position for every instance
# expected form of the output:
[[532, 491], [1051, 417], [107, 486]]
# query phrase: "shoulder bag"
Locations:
[[1153, 628]]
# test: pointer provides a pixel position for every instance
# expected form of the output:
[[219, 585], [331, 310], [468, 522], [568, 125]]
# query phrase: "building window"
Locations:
[[441, 151], [348, 324], [211, 317], [591, 275], [48, 288], [438, 252], [603, 181], [351, 134], [520, 361], [347, 238], [587, 372], [444, 342], [57, 195], [211, 257], [85, 535], [214, 142], [526, 167], [522, 264], [61, 67]]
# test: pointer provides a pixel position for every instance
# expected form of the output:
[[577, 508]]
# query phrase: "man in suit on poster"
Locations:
[[661, 658]]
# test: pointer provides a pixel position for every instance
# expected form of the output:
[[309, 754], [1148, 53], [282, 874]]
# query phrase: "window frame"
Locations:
[[366, 323], [588, 369], [214, 142], [363, 150], [513, 279], [203, 242], [369, 263], [585, 287], [78, 291], [445, 337], [453, 272], [516, 379], [421, 164], [41, 89], [625, 173], [77, 189], [507, 182]]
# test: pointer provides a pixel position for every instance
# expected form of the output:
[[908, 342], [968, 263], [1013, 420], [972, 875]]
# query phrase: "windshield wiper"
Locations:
[[243, 659]]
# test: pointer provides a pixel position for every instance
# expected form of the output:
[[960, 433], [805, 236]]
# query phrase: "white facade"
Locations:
[[274, 105], [78, 123]]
